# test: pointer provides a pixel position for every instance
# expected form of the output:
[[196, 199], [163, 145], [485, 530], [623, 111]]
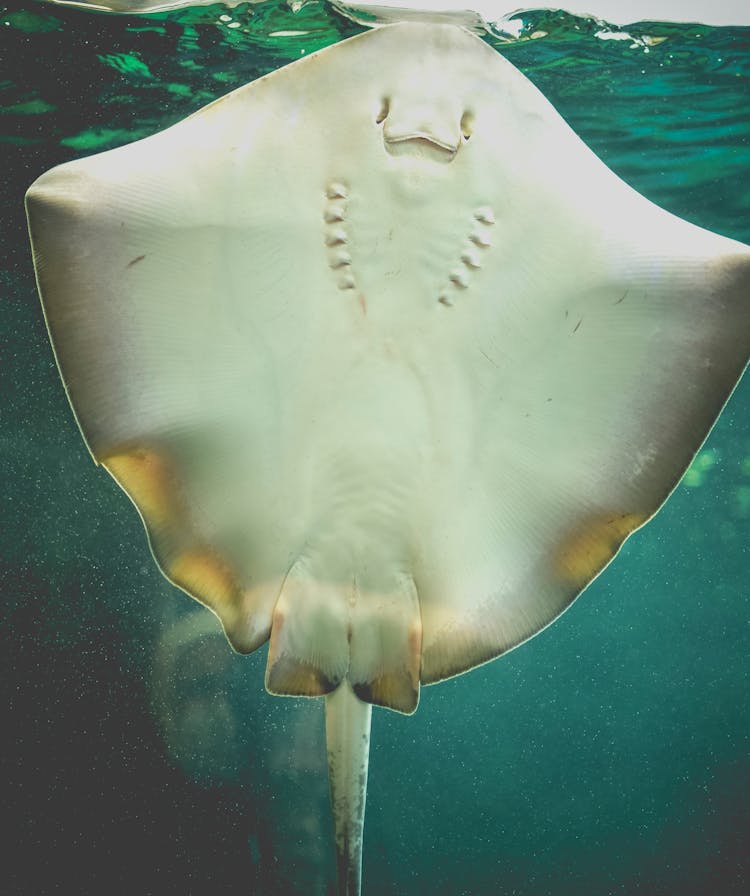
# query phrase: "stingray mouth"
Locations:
[[421, 145]]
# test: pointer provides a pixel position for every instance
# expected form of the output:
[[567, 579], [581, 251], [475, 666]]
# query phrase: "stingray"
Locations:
[[388, 361]]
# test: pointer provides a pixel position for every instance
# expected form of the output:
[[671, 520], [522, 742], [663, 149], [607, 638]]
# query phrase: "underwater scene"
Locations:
[[610, 754]]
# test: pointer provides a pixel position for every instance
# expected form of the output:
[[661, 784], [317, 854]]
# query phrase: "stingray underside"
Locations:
[[389, 362]]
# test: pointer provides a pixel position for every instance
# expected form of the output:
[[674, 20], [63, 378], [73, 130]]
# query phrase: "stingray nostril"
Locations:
[[467, 125], [385, 106]]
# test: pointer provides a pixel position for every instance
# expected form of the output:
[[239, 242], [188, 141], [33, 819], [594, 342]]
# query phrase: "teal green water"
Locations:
[[609, 755]]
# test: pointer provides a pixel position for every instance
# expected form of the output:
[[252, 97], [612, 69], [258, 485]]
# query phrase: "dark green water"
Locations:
[[609, 755]]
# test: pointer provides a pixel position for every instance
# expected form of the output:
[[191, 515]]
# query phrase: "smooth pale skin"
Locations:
[[390, 363]]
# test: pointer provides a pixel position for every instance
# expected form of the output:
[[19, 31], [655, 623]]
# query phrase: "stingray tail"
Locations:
[[348, 745]]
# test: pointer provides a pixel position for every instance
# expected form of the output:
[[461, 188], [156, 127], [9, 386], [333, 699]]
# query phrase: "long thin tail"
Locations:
[[348, 744]]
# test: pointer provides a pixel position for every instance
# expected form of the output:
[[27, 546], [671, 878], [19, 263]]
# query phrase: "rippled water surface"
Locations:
[[609, 755]]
